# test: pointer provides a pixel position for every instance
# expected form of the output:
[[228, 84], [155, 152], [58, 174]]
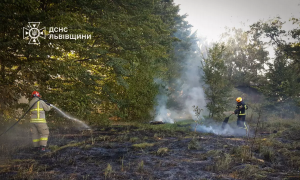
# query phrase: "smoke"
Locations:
[[177, 99], [81, 123], [186, 91], [163, 114], [216, 128]]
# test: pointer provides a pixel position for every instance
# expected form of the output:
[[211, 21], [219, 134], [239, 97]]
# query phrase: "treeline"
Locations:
[[133, 43], [111, 74], [241, 59]]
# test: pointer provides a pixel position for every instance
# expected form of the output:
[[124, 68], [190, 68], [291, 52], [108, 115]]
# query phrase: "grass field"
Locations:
[[144, 151]]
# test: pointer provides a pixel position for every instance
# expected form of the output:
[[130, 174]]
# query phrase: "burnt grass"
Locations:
[[151, 152]]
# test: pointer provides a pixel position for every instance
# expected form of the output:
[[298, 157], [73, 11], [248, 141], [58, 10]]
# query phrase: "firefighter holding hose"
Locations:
[[38, 124], [240, 110]]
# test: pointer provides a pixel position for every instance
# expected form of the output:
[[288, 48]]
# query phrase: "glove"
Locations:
[[46, 102]]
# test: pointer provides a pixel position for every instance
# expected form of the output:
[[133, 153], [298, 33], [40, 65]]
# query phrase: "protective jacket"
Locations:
[[240, 109], [38, 111]]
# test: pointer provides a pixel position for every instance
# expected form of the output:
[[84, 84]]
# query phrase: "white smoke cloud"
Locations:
[[191, 93], [162, 113], [195, 97], [217, 129]]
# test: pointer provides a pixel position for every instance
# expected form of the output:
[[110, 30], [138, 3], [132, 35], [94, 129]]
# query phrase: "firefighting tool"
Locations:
[[225, 121]]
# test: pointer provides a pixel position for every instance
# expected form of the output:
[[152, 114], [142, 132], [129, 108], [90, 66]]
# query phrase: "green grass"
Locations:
[[267, 153], [181, 126], [143, 145], [134, 139], [108, 170], [223, 162], [194, 145], [162, 151], [252, 172], [243, 153], [281, 124], [141, 166], [56, 148]]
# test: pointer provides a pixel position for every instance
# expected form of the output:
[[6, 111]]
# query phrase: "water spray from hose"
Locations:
[[71, 118]]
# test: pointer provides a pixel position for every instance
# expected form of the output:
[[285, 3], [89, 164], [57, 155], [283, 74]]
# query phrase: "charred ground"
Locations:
[[152, 152]]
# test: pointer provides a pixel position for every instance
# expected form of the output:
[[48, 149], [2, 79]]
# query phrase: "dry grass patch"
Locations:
[[134, 139], [108, 170], [162, 151], [223, 162], [194, 144], [143, 145], [243, 153], [267, 153], [140, 166], [251, 172]]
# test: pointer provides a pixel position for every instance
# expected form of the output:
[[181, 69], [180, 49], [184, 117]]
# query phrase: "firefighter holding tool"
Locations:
[[38, 124], [241, 108]]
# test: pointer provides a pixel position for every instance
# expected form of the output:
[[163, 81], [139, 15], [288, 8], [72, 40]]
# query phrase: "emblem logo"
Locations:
[[33, 32]]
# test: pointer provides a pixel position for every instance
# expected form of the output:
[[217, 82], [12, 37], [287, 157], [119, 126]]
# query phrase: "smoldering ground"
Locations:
[[216, 128], [130, 152]]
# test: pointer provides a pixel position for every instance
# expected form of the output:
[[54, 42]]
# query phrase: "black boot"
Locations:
[[43, 149]]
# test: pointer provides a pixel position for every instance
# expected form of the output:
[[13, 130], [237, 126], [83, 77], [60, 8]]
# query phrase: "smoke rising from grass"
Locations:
[[217, 129], [186, 91], [163, 114]]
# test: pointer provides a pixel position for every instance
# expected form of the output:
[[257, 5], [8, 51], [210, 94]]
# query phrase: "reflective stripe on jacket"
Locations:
[[241, 108], [38, 111]]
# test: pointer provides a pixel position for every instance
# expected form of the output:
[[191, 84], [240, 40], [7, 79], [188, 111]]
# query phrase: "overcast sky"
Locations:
[[210, 17]]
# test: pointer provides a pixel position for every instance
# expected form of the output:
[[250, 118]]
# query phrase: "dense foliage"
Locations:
[[217, 87], [133, 43], [247, 64], [112, 73], [281, 85]]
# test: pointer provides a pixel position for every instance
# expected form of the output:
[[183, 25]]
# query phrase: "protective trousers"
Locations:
[[40, 133], [241, 122]]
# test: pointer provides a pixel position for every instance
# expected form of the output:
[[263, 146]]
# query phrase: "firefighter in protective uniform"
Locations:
[[241, 108], [38, 124]]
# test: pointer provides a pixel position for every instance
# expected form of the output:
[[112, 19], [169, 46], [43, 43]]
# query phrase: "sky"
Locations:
[[210, 17]]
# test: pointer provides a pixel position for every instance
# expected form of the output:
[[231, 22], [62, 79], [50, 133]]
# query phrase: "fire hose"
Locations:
[[22, 116], [225, 121]]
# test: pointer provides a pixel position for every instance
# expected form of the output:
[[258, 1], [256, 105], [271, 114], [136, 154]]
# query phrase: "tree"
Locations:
[[245, 57], [128, 49], [282, 87], [184, 54], [217, 86]]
